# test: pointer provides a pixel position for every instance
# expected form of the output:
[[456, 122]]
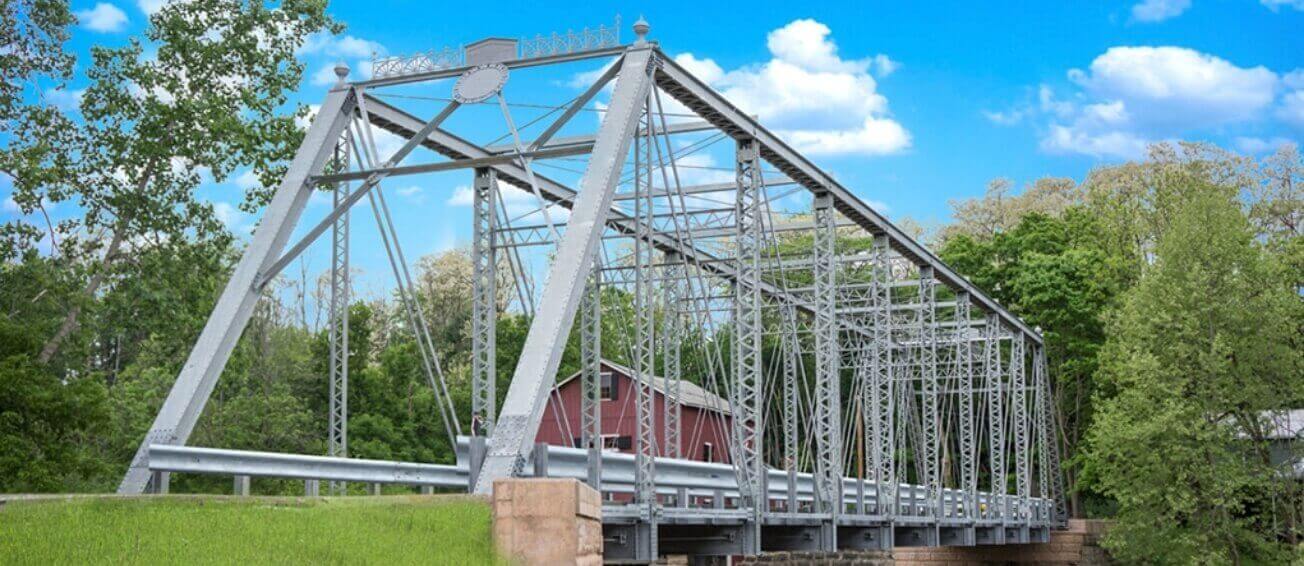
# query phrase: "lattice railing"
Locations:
[[571, 41]]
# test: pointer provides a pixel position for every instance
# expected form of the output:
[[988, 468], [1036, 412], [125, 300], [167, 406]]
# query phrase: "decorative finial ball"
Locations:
[[641, 28], [341, 71]]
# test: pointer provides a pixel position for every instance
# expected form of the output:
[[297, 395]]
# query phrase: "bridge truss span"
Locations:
[[873, 393]]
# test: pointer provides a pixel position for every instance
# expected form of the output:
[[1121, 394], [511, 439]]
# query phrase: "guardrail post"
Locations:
[[375, 489], [717, 499], [476, 460], [860, 497], [241, 486], [311, 488], [540, 460], [158, 482], [681, 497], [427, 490]]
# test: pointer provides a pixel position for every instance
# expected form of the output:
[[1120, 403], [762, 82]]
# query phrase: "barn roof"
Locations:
[[691, 394]]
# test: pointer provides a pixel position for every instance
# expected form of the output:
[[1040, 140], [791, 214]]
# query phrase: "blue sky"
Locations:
[[909, 104]]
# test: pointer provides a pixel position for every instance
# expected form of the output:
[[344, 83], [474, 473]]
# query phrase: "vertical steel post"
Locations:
[[791, 401], [338, 333], [1019, 414], [883, 404], [968, 435], [1051, 465], [994, 377], [671, 344], [929, 419], [484, 302], [748, 387], [1041, 430], [591, 376], [644, 339], [536, 372], [828, 369]]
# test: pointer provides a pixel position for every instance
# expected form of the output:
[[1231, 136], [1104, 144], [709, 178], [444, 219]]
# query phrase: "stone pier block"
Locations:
[[547, 521]]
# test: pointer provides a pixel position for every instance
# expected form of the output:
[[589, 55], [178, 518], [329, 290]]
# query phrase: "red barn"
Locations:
[[705, 417]]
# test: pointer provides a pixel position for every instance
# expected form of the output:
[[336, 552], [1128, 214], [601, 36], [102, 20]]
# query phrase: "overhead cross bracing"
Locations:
[[891, 396]]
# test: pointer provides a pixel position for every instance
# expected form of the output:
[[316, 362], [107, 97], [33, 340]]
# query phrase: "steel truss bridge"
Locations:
[[877, 397]]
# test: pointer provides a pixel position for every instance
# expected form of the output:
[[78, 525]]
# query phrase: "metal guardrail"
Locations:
[[681, 479], [188, 459]]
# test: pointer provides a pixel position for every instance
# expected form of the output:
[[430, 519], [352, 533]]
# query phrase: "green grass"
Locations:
[[226, 530]]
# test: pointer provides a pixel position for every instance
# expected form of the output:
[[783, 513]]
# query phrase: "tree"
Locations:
[[33, 33], [209, 98], [43, 421], [1053, 273], [997, 211], [1198, 350]]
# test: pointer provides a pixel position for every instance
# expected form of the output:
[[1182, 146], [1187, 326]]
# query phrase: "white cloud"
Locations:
[[704, 69], [248, 180], [884, 66], [1292, 104], [1132, 96], [347, 46], [66, 100], [462, 196], [1159, 10], [104, 17], [151, 6], [306, 120], [1071, 139], [1292, 109], [1006, 118], [1256, 146], [413, 193], [1275, 5], [325, 76], [230, 215], [11, 205], [585, 79], [818, 101], [1175, 85]]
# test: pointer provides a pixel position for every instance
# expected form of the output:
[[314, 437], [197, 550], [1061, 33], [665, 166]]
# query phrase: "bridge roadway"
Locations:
[[699, 512]]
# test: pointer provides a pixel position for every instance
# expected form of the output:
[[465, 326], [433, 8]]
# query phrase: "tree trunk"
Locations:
[[71, 321]]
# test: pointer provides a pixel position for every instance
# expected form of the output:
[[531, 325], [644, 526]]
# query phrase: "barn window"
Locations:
[[613, 442], [609, 391]]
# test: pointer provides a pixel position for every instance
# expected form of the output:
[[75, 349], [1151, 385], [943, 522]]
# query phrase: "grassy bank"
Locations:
[[225, 530]]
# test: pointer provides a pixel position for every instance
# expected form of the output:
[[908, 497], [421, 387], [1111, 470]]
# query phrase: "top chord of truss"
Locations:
[[494, 50]]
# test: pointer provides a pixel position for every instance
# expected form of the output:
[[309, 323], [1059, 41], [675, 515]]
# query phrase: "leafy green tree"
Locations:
[[1200, 348], [1052, 272], [33, 33], [43, 421], [206, 97]]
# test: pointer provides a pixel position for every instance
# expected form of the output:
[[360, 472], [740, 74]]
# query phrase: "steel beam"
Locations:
[[1019, 416], [995, 387], [591, 376], [518, 422], [883, 404], [645, 448], [185, 402], [338, 425], [828, 372], [748, 388], [713, 107], [484, 302]]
